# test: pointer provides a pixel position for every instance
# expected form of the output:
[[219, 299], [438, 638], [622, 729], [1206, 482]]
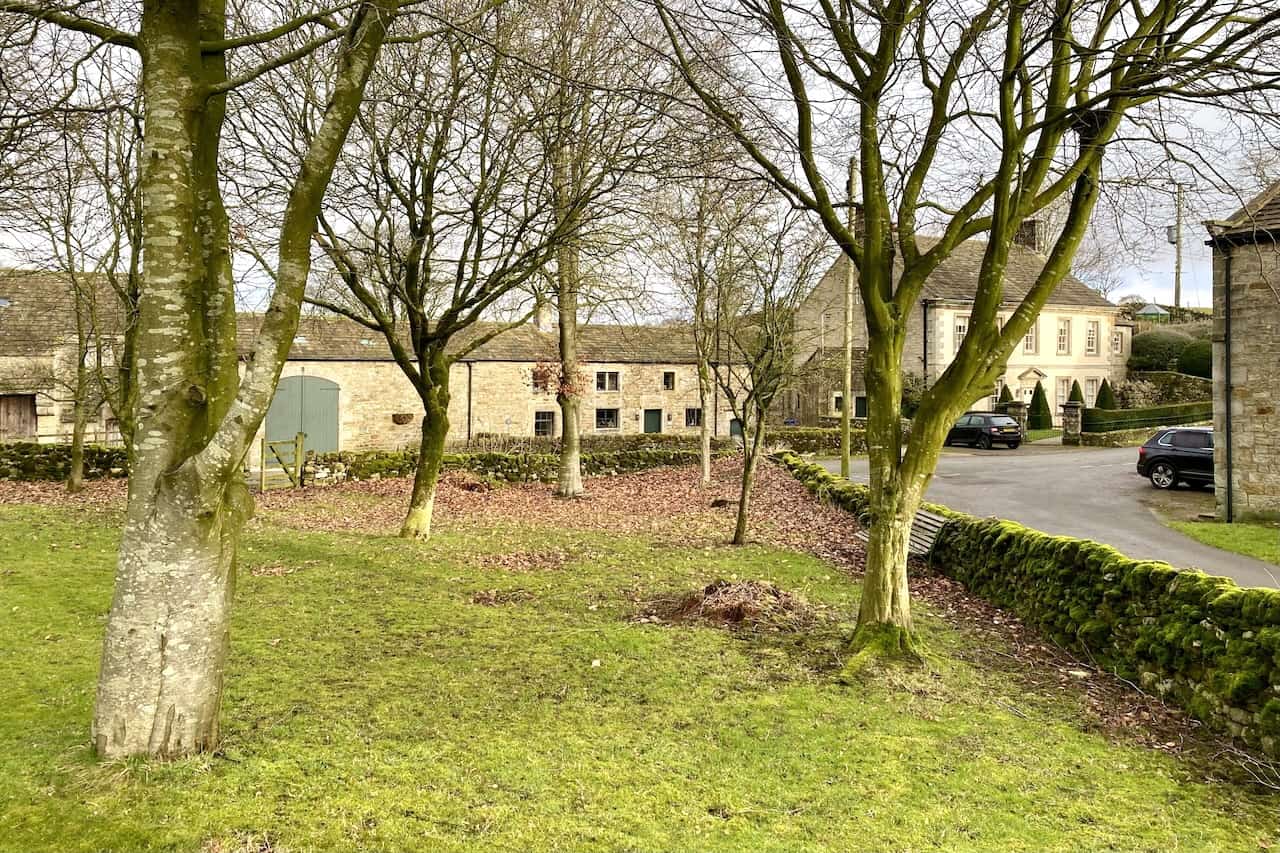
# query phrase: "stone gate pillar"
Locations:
[[1072, 412], [1018, 411]]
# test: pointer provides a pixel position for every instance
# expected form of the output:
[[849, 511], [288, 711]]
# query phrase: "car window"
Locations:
[[965, 421], [1190, 439], [1003, 420], [1208, 440], [1164, 439]]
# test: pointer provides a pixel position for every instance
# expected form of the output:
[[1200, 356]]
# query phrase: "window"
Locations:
[[1194, 440], [1064, 336], [1117, 343], [693, 417], [544, 423], [837, 403], [1064, 390], [1091, 391], [962, 329], [606, 380], [1091, 338], [607, 418], [1031, 343], [668, 380]]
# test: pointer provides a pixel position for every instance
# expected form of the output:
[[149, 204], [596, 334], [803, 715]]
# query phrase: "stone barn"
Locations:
[[1246, 358]]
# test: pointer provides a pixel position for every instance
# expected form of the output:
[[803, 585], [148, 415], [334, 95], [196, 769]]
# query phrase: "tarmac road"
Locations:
[[1092, 493]]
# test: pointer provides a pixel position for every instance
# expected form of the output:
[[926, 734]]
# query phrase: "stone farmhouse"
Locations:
[[1246, 358], [341, 386], [38, 354], [1079, 335]]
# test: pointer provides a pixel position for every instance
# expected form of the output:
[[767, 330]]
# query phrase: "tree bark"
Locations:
[[704, 431], [751, 454], [75, 475], [435, 429], [160, 682], [569, 483]]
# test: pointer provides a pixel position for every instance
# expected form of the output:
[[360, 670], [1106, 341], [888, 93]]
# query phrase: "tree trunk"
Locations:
[[704, 431], [160, 682], [569, 484], [435, 429], [75, 476], [751, 454]]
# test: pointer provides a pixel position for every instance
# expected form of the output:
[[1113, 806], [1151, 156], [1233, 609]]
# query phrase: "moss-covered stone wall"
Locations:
[[25, 460], [1199, 641]]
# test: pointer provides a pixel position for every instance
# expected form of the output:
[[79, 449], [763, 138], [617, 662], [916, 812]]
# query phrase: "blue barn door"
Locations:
[[305, 404]]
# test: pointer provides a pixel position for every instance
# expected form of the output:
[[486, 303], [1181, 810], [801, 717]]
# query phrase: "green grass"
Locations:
[[1038, 434], [1253, 540], [370, 706]]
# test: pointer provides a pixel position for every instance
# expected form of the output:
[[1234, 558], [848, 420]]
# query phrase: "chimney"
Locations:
[[1030, 235], [543, 318]]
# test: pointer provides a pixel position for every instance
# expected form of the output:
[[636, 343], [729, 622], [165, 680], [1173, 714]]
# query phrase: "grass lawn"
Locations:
[[1253, 540], [378, 701], [1038, 434]]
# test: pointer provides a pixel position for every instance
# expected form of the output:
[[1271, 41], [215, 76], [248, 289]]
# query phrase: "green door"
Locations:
[[653, 420], [305, 404]]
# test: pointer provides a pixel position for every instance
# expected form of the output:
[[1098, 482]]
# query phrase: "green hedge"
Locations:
[[503, 467], [1158, 349], [1197, 359], [1106, 420], [492, 442], [824, 440], [26, 460], [1039, 416], [1200, 641]]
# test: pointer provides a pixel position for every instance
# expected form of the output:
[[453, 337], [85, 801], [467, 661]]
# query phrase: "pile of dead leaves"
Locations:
[[524, 562], [735, 604], [497, 597]]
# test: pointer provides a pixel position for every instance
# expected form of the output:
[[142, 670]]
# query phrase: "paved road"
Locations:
[[1092, 493]]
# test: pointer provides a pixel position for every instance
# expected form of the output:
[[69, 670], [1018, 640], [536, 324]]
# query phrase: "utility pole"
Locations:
[[850, 282], [1177, 262]]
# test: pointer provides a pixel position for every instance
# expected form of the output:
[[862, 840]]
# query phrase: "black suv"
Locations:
[[1179, 454], [984, 429]]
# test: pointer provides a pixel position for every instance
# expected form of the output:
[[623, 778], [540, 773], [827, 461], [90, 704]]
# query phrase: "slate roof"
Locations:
[[956, 279], [329, 338], [38, 313], [1260, 215]]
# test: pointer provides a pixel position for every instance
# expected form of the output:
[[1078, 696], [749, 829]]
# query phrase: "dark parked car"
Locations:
[[1178, 454], [982, 429]]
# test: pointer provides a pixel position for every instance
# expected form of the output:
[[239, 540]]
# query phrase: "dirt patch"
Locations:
[[735, 604], [498, 597], [525, 562]]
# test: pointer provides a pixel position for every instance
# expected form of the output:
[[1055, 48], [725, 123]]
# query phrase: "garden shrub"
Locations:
[[1158, 349], [1105, 420], [1200, 641], [1197, 359], [492, 442], [27, 460], [1039, 416], [1076, 395], [1106, 397], [1006, 396], [502, 467]]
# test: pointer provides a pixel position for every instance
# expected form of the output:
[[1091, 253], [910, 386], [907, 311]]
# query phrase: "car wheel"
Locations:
[[984, 442], [1163, 475], [1014, 445]]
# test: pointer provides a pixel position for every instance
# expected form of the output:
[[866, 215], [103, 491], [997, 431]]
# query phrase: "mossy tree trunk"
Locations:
[[750, 459], [704, 430], [569, 395], [163, 660], [435, 430]]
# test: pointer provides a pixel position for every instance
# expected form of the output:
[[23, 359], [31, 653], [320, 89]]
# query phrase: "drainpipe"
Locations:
[[1226, 381], [469, 401]]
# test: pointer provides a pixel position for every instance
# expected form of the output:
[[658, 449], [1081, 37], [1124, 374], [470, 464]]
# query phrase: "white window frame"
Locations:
[[1091, 386], [665, 374], [960, 329], [1064, 336], [1031, 343], [609, 377], [1117, 342], [1092, 334], [550, 412], [693, 410], [617, 419], [1063, 391]]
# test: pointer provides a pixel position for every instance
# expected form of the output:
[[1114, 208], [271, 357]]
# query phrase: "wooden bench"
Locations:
[[925, 528]]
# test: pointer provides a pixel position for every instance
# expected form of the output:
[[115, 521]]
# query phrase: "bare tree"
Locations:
[[772, 261], [968, 119], [160, 685], [447, 207]]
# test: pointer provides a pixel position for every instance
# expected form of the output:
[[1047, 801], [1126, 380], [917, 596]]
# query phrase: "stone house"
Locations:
[[341, 386], [1246, 358], [1079, 335], [38, 355]]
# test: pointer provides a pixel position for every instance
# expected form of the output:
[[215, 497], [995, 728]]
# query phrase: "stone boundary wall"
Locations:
[[1201, 642], [28, 460]]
